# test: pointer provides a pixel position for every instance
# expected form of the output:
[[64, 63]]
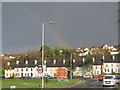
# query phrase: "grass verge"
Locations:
[[52, 83]]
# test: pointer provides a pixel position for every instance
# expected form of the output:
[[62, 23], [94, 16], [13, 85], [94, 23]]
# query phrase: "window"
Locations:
[[31, 69], [6, 74], [96, 67], [21, 69], [26, 69], [31, 74], [118, 70], [108, 70], [106, 65], [21, 74], [97, 72], [108, 77], [112, 65], [17, 69]]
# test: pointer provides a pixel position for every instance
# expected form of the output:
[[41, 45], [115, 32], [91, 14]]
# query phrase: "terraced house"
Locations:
[[27, 68], [107, 66]]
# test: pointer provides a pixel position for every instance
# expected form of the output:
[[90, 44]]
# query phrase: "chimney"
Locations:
[[103, 57], [83, 59], [8, 63], [35, 61], [44, 61], [93, 59], [17, 62], [113, 57], [64, 61], [26, 62], [54, 61], [74, 60]]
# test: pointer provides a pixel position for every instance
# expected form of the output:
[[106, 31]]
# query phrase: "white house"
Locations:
[[112, 66], [114, 51], [30, 69], [97, 67]]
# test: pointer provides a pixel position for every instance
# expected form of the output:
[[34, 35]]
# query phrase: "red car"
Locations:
[[100, 78]]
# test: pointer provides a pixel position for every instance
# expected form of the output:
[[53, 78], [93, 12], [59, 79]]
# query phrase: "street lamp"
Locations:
[[71, 64], [43, 43]]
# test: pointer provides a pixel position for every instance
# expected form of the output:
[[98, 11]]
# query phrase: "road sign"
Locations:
[[40, 70], [62, 73]]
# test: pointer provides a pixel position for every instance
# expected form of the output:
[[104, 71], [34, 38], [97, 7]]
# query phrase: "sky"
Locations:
[[76, 24]]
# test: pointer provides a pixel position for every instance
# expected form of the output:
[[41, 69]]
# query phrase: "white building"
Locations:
[[30, 68], [114, 51], [110, 67], [97, 67], [107, 66]]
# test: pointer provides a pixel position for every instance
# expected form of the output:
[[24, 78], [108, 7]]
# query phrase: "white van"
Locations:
[[109, 80]]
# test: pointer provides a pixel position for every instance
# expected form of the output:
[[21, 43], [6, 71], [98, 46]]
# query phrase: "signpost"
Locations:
[[40, 70], [62, 74]]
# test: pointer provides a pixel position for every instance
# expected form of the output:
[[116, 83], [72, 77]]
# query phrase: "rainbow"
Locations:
[[60, 39]]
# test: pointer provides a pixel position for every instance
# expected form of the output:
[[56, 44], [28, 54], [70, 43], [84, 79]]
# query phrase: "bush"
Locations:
[[14, 75]]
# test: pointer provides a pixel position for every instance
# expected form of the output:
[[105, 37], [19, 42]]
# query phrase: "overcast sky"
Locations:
[[75, 25]]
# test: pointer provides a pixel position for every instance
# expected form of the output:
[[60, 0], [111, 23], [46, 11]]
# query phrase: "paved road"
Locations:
[[93, 83]]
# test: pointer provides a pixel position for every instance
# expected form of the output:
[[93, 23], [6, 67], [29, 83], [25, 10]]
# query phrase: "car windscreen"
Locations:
[[108, 77]]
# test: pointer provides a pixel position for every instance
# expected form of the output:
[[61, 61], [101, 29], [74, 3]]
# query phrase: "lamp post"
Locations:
[[71, 66], [43, 43]]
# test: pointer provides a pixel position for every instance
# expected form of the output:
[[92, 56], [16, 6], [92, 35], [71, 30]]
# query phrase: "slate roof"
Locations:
[[48, 64], [98, 62]]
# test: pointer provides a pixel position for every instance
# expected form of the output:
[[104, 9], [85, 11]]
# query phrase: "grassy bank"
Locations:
[[52, 83]]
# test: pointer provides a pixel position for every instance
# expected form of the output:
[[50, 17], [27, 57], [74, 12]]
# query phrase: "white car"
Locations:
[[109, 80], [86, 76]]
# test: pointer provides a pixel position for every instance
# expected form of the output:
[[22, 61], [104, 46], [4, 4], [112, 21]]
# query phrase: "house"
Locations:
[[111, 66], [97, 67], [27, 68], [106, 66], [106, 46], [114, 51]]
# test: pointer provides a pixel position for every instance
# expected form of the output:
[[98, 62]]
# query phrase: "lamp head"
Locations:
[[50, 22]]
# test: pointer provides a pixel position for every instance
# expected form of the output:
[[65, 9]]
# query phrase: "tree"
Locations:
[[49, 53]]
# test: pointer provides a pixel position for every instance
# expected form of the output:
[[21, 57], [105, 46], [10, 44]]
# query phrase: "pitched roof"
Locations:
[[48, 64]]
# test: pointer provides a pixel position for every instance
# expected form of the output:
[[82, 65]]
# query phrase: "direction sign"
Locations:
[[62, 73], [40, 70]]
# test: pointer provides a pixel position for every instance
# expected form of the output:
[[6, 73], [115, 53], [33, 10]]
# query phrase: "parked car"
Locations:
[[118, 79], [72, 77], [48, 76], [86, 76], [109, 80], [25, 77], [38, 77], [100, 78]]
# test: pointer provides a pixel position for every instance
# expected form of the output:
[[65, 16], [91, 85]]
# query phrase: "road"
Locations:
[[92, 83]]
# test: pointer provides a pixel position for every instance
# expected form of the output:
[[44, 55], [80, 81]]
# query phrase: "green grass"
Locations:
[[118, 88], [52, 83]]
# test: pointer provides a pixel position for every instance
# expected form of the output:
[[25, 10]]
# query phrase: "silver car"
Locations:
[[117, 79]]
